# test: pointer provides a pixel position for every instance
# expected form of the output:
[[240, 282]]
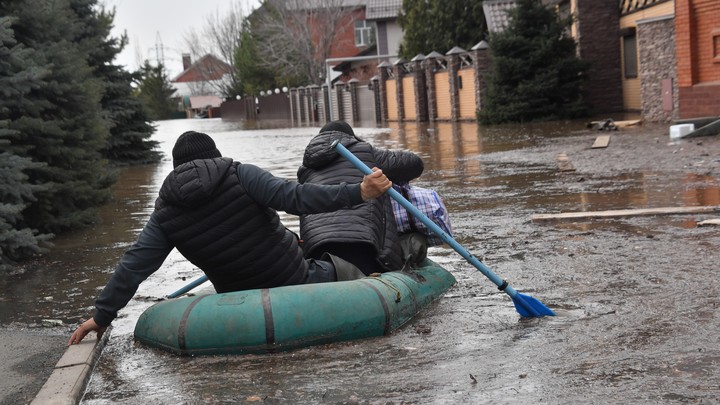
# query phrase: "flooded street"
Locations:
[[636, 297]]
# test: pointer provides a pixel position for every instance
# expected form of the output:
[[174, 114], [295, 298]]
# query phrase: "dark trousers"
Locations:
[[320, 271]]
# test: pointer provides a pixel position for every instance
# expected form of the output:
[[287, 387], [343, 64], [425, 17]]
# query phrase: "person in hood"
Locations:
[[221, 215], [364, 235]]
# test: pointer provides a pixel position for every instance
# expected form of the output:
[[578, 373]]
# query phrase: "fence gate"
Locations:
[[442, 95], [391, 101], [365, 105], [334, 114], [466, 94], [322, 106], [408, 83], [347, 106]]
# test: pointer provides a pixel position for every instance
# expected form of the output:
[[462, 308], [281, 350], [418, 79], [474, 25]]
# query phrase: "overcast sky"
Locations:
[[155, 25]]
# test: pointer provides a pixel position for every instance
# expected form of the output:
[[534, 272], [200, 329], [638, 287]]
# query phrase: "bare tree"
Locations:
[[219, 37], [296, 36]]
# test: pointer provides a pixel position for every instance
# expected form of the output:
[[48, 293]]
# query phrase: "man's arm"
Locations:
[[297, 199], [137, 264], [400, 166]]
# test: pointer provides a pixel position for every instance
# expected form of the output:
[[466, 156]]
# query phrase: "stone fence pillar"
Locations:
[[293, 114], [420, 88], [313, 91], [375, 87], [323, 107], [353, 88], [399, 70], [453, 68], [339, 89], [481, 66], [430, 67], [382, 89]]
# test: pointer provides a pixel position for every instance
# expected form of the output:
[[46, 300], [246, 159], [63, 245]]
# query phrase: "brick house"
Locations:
[[671, 58], [658, 58], [596, 28], [199, 85], [376, 32], [697, 43], [383, 15], [355, 38]]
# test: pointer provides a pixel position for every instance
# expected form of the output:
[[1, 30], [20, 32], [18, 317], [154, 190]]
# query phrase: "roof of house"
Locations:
[[631, 6], [342, 66], [207, 68], [382, 9], [496, 13], [316, 4]]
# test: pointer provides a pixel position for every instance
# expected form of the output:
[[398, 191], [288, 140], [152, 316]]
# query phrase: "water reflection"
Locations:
[[491, 186], [478, 170]]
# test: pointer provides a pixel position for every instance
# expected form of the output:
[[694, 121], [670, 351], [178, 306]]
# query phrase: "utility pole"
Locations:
[[159, 50]]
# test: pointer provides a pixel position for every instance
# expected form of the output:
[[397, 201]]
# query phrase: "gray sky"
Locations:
[[156, 28]]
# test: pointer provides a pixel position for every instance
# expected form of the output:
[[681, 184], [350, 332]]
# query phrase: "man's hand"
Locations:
[[374, 185], [84, 329]]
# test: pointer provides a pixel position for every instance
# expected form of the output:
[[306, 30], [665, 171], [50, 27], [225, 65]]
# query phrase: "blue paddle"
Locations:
[[525, 305], [189, 287]]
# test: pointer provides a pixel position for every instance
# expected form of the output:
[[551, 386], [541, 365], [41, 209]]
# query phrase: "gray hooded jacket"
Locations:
[[370, 223]]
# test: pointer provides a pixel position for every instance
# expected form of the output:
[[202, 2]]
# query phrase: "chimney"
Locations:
[[186, 61]]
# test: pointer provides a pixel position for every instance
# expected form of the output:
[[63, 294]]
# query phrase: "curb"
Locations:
[[69, 379]]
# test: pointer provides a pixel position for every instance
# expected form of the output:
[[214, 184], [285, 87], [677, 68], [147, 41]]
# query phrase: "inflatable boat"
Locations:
[[284, 318]]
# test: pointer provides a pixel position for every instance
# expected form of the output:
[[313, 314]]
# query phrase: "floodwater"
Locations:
[[636, 297]]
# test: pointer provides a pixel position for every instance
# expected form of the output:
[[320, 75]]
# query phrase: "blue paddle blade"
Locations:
[[529, 307]]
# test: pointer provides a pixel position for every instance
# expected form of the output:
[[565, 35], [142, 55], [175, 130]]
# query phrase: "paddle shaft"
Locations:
[[429, 223], [189, 287]]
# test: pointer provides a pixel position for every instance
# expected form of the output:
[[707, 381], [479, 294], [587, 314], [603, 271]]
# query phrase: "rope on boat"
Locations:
[[378, 277]]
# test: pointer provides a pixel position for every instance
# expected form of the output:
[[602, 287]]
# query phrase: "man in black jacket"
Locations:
[[220, 214], [364, 235]]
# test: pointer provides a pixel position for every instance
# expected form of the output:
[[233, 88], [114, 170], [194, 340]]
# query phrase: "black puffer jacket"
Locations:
[[369, 223], [206, 213]]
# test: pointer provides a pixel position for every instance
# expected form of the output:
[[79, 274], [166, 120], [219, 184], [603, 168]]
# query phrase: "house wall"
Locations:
[[344, 41], [678, 65], [381, 37], [631, 86], [697, 26], [394, 37], [658, 88], [595, 30]]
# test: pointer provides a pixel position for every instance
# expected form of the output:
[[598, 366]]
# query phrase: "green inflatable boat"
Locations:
[[283, 318]]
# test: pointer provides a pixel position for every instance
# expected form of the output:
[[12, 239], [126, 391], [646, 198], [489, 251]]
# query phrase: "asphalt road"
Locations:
[[27, 359]]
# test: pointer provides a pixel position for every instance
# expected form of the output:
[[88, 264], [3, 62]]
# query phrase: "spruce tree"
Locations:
[[250, 70], [16, 240], [440, 25], [130, 130], [155, 91], [535, 72], [59, 121], [17, 77]]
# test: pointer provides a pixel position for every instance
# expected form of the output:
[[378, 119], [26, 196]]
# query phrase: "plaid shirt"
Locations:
[[429, 203]]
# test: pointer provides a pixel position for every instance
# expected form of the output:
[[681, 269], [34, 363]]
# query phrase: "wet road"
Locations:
[[637, 297]]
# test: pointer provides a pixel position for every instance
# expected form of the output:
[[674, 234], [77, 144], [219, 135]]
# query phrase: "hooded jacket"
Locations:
[[369, 223], [205, 211], [221, 216]]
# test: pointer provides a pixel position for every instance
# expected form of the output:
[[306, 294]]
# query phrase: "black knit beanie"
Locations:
[[193, 145], [339, 126]]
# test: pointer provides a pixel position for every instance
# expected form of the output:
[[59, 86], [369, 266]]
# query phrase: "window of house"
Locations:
[[630, 66], [364, 33]]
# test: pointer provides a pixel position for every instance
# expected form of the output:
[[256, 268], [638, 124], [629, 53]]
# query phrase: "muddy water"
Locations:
[[637, 297]]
